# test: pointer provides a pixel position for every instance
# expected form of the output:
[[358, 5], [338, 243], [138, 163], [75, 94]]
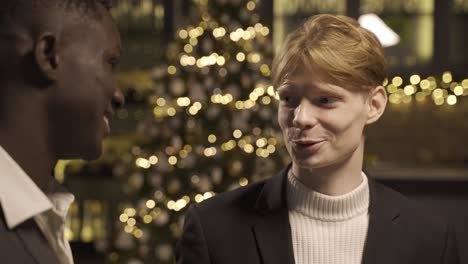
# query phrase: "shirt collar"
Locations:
[[61, 201], [313, 204], [20, 198]]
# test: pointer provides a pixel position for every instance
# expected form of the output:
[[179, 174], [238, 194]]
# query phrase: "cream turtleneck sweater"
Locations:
[[327, 229]]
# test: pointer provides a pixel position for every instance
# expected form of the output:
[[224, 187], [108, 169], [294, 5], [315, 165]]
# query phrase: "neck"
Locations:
[[24, 137], [334, 180]]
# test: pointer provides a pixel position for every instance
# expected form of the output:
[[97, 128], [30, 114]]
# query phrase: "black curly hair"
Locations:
[[9, 8], [35, 16]]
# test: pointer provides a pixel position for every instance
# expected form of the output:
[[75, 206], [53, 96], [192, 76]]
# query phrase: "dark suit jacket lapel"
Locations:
[[35, 243], [383, 222], [273, 232]]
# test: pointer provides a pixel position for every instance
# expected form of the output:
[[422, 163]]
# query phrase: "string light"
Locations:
[[153, 160], [419, 88], [172, 160], [171, 70], [219, 32], [425, 84], [183, 101], [415, 79], [188, 48], [143, 163], [240, 56], [409, 90], [123, 218], [243, 181], [199, 198], [207, 195], [212, 138], [138, 233], [183, 34], [147, 219], [193, 41], [451, 99], [129, 229], [131, 221], [171, 111], [248, 148], [150, 204], [458, 90], [251, 5], [161, 101], [210, 151], [397, 81], [447, 77]]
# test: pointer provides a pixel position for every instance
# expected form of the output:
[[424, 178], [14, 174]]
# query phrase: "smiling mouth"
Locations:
[[106, 117], [106, 122], [306, 141], [307, 145]]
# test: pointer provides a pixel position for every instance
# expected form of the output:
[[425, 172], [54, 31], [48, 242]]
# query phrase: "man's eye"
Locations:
[[326, 100], [290, 101], [286, 99], [114, 63]]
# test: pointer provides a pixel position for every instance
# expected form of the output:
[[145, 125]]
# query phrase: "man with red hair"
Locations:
[[322, 209]]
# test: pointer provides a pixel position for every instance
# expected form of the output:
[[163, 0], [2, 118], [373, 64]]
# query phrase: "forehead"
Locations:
[[309, 82], [308, 77], [99, 32]]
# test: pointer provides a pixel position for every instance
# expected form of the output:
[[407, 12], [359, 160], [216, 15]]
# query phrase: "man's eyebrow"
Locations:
[[321, 87], [287, 84], [284, 88]]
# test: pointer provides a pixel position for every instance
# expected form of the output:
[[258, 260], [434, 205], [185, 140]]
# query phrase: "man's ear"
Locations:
[[376, 103], [45, 54]]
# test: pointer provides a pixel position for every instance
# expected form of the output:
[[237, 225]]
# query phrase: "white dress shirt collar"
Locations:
[[20, 198]]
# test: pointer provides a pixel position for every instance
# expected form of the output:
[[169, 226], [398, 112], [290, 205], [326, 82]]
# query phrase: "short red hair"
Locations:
[[337, 46]]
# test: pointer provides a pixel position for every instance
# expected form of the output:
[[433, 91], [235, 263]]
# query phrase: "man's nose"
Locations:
[[118, 99], [304, 115]]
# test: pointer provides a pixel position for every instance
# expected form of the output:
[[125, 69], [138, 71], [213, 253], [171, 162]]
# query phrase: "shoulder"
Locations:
[[415, 225], [238, 201], [412, 212], [11, 247]]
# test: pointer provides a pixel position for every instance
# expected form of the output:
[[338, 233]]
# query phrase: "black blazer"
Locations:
[[251, 225], [24, 244]]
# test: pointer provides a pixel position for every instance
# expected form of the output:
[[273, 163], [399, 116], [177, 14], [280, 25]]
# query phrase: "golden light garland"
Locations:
[[445, 92]]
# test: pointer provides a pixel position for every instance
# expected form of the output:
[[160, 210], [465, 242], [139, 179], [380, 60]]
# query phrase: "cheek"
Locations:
[[284, 118], [78, 98], [347, 128], [75, 110], [281, 119], [85, 85]]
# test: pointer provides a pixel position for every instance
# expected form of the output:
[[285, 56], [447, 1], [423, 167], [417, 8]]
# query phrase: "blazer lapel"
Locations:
[[34, 242], [383, 219], [273, 232]]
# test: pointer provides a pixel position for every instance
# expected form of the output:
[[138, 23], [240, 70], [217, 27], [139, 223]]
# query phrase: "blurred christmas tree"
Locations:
[[208, 126]]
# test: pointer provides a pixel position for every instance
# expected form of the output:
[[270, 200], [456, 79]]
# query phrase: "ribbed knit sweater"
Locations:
[[327, 229]]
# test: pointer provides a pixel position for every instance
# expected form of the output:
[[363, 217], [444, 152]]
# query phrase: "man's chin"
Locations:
[[88, 154], [93, 154], [309, 163]]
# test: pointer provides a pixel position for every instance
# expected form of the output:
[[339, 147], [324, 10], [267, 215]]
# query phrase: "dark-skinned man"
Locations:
[[57, 94]]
